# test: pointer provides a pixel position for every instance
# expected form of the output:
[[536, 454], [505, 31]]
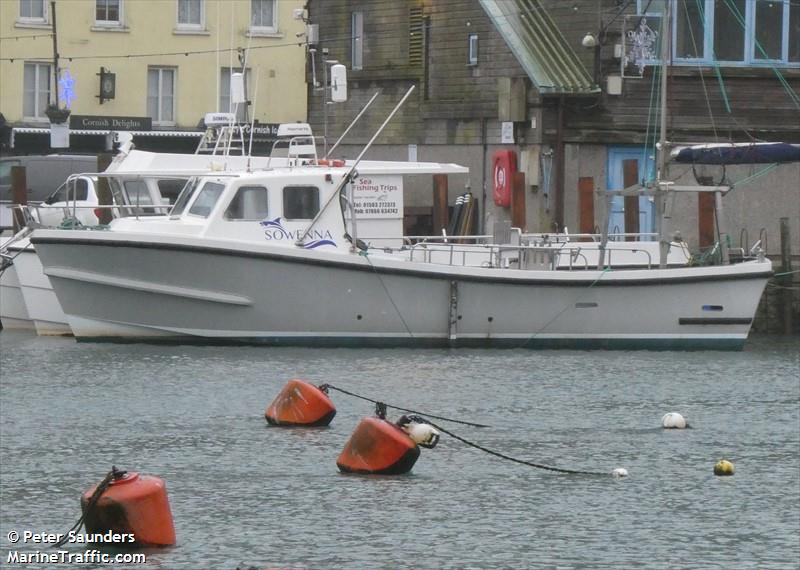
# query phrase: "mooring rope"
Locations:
[[504, 456], [389, 295], [101, 488], [325, 387]]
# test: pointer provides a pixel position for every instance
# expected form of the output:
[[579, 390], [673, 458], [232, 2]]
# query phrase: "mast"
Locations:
[[662, 151]]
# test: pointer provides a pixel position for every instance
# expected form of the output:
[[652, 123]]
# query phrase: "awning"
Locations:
[[101, 132], [539, 46]]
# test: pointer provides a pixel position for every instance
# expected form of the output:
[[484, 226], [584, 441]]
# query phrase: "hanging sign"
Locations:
[[639, 44], [378, 196]]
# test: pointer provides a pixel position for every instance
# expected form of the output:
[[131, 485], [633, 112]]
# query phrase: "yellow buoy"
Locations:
[[723, 467]]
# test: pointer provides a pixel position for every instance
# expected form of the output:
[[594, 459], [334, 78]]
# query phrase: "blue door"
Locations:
[[617, 158]]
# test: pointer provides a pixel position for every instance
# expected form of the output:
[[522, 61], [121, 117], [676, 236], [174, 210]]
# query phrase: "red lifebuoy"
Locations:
[[300, 404], [504, 165]]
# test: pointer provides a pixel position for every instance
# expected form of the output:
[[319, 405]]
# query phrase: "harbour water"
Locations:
[[245, 494]]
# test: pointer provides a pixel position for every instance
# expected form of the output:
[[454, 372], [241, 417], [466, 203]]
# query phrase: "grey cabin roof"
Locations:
[[539, 46]]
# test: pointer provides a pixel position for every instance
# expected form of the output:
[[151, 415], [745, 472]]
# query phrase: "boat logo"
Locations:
[[274, 230]]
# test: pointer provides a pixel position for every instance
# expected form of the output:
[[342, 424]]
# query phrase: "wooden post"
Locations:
[[586, 205], [630, 177], [19, 194], [518, 200], [104, 197], [440, 214], [787, 296]]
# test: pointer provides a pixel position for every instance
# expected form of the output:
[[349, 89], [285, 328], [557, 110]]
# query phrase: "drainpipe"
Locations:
[[485, 149], [558, 210]]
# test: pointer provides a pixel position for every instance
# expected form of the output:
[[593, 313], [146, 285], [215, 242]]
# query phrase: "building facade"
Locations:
[[155, 67], [546, 79]]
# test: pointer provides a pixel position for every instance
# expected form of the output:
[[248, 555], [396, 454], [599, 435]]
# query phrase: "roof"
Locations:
[[539, 46]]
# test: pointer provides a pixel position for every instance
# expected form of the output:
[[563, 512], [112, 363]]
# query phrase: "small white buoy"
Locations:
[[619, 472], [673, 420], [424, 435]]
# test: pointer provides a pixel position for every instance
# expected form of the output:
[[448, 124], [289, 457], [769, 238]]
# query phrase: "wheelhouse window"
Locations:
[[32, 12], [300, 202], [191, 14], [161, 95], [225, 105], [36, 90], [250, 203], [357, 40], [472, 49], [108, 13], [732, 32], [263, 17], [206, 199]]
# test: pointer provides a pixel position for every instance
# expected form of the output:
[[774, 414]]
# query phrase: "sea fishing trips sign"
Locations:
[[378, 196]]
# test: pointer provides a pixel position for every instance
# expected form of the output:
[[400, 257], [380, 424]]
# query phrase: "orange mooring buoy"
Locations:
[[378, 447], [300, 404], [131, 504]]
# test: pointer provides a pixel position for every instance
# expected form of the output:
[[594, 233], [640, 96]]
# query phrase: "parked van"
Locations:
[[77, 199], [43, 175]]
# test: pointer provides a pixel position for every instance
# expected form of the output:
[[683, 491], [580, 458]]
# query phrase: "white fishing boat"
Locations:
[[289, 253]]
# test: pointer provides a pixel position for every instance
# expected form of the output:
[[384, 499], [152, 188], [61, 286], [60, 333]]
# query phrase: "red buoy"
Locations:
[[378, 447], [300, 404], [132, 504]]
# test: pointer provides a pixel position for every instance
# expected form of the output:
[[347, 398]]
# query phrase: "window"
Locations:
[[161, 95], [108, 12], [225, 94], [36, 91], [263, 17], [250, 203], [68, 192], [689, 31], [734, 32], [191, 14], [184, 196], [357, 39], [472, 49], [730, 45], [300, 202], [170, 189], [33, 11], [206, 199]]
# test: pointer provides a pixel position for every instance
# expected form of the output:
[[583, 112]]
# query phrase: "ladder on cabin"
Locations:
[[223, 140]]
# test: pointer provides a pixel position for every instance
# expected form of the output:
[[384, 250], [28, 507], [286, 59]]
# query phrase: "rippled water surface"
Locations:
[[246, 494]]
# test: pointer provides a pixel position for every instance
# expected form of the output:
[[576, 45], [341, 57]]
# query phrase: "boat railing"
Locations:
[[482, 251]]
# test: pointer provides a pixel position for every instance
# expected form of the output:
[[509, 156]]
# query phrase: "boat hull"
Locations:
[[29, 300], [130, 288]]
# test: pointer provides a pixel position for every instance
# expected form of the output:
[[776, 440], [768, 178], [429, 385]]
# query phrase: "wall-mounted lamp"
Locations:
[[590, 41]]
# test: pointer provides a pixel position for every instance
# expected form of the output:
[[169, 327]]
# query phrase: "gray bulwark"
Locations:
[[539, 46]]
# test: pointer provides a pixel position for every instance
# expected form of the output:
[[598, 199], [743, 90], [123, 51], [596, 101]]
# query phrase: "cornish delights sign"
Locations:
[[90, 122]]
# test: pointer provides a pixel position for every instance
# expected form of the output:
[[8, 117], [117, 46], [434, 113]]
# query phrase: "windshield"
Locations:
[[206, 199], [184, 197]]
